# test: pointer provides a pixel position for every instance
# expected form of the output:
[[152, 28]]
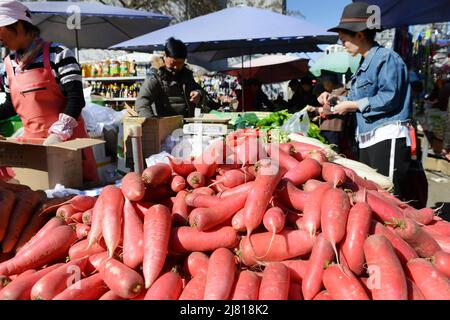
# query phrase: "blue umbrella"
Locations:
[[235, 32], [99, 26], [396, 13]]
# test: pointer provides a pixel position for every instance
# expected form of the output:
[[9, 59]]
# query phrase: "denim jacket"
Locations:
[[381, 88]]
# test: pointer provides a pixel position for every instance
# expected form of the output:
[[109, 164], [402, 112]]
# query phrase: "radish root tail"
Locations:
[[270, 246]]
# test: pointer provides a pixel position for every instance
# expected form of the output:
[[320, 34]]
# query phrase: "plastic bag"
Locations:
[[97, 117], [298, 123]]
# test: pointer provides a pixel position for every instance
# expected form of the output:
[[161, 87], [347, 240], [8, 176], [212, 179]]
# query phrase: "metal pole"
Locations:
[[242, 81], [136, 145], [78, 45]]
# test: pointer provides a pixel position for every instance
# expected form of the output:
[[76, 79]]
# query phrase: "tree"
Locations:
[[274, 5], [179, 10]]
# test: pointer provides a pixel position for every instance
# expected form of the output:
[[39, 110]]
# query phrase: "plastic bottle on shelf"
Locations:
[[123, 69], [114, 68], [105, 68], [132, 69], [125, 92]]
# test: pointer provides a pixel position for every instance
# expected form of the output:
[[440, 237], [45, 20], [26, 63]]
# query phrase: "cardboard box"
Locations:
[[435, 164], [42, 167], [154, 132]]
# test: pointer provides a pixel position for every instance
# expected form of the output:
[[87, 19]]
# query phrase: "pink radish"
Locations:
[[333, 173], [322, 255], [431, 282], [187, 239], [156, 174], [157, 226], [274, 221], [287, 244], [238, 221], [181, 167], [297, 268], [275, 282], [317, 155], [196, 180], [207, 218], [55, 282], [417, 238], [220, 276], [90, 288], [341, 284], [305, 170], [334, 210], [133, 236], [312, 209], [194, 289], [178, 183], [291, 196], [121, 279], [246, 286], [132, 187], [97, 220], [267, 178], [20, 287], [441, 261], [414, 292], [196, 264], [403, 250], [387, 279], [295, 291], [112, 217], [358, 226], [180, 211]]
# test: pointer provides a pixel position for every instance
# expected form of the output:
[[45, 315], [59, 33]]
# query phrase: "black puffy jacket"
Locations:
[[164, 93]]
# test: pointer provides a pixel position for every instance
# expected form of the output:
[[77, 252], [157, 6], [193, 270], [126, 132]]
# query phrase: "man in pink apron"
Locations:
[[33, 91]]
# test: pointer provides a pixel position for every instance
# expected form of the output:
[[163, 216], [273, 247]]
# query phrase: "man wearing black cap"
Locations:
[[380, 96], [170, 88]]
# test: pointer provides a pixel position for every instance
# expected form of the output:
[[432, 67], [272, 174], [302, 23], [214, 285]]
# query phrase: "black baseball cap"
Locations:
[[355, 18]]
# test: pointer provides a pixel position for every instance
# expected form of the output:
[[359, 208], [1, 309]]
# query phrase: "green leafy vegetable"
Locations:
[[274, 120], [314, 132]]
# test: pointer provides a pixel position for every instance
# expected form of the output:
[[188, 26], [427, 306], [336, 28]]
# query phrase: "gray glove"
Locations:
[[52, 139]]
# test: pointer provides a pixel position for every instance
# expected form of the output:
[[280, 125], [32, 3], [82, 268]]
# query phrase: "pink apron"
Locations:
[[38, 101]]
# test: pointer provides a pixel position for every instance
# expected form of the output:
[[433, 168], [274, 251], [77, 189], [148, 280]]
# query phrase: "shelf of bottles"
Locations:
[[115, 92], [115, 78], [114, 82]]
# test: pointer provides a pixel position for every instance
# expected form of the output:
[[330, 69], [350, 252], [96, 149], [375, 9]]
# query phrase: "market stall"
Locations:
[[284, 209], [220, 206]]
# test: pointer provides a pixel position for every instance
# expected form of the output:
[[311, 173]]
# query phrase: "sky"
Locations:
[[324, 13]]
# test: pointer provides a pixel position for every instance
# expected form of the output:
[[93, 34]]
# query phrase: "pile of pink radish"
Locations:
[[243, 221]]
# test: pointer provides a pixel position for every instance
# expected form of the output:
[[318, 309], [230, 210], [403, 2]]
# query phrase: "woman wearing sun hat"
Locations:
[[42, 84], [380, 96]]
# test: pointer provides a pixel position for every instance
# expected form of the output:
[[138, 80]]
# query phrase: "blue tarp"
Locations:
[[100, 25], [237, 31], [396, 13]]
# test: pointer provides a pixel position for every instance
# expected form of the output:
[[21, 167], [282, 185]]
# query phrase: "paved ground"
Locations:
[[439, 192]]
